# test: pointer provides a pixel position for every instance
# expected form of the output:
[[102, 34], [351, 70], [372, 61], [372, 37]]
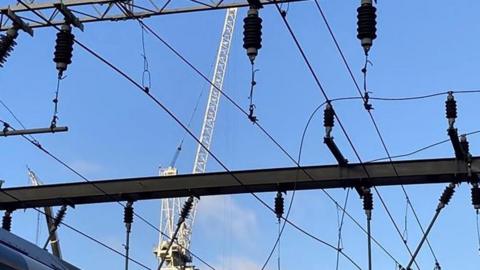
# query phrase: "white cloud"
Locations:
[[85, 166], [227, 213], [238, 263]]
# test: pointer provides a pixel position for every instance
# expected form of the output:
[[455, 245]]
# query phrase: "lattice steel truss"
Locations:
[[88, 11]]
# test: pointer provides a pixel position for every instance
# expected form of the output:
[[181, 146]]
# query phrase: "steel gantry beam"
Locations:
[[318, 177], [111, 10]]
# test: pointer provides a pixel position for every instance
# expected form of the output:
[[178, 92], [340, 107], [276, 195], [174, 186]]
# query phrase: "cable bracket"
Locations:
[[17, 21], [70, 18]]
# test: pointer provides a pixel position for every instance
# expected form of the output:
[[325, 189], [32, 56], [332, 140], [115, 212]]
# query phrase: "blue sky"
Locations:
[[115, 131]]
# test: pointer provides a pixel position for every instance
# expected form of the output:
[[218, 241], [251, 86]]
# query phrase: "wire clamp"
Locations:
[[366, 99], [6, 127], [252, 117]]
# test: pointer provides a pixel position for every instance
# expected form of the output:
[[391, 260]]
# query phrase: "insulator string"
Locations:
[[55, 101], [340, 222], [279, 244], [405, 222], [146, 76], [478, 231], [252, 106]]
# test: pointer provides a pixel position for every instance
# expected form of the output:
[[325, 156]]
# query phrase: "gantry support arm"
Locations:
[[381, 174], [88, 11]]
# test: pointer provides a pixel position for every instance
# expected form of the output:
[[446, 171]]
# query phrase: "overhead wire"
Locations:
[[64, 164], [307, 62], [258, 198], [389, 157], [443, 201], [189, 124], [337, 205], [37, 231], [368, 109], [123, 74], [39, 211], [422, 148], [384, 145], [146, 75], [251, 107], [38, 145], [55, 100], [12, 114], [73, 228], [426, 96], [279, 252], [340, 227], [236, 105], [317, 81], [15, 117], [478, 231], [405, 223]]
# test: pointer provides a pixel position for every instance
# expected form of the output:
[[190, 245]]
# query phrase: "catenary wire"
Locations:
[[478, 231], [405, 223], [37, 144], [64, 164], [34, 142], [318, 83], [236, 105], [314, 112], [94, 240], [379, 135], [228, 98], [340, 227], [192, 135], [307, 62], [12, 114], [421, 149], [198, 141], [375, 126], [146, 75], [15, 117], [336, 203], [69, 226]]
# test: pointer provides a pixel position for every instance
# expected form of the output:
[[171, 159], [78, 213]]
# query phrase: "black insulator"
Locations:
[[447, 195], [60, 215], [367, 201], [6, 127], [367, 25], [465, 145], [128, 214], [187, 207], [252, 33], [64, 49], [279, 208], [7, 43], [476, 197], [7, 221], [328, 116], [451, 107]]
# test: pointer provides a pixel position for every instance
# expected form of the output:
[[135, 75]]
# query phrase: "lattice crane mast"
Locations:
[[178, 257], [54, 241]]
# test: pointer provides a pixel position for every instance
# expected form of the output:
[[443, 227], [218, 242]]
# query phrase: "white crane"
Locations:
[[178, 257], [54, 241]]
